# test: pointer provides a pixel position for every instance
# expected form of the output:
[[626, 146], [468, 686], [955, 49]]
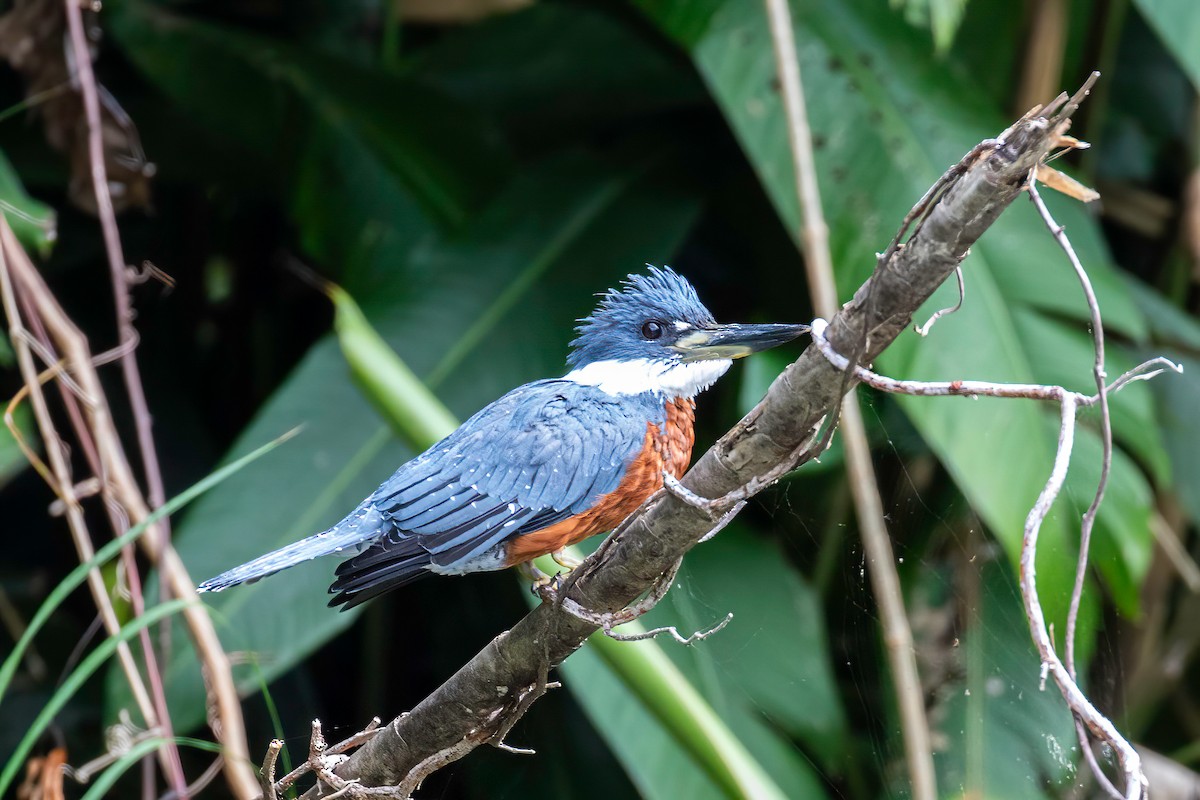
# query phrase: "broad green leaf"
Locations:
[[1167, 321], [1176, 396], [1121, 543], [465, 312], [567, 68], [254, 87], [773, 660], [34, 222], [1178, 23], [658, 765], [1065, 358], [766, 674], [732, 760], [888, 119], [998, 734], [108, 551], [12, 460]]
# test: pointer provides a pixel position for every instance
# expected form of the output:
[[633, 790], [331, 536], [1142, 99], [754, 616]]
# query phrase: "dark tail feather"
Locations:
[[384, 566], [351, 534]]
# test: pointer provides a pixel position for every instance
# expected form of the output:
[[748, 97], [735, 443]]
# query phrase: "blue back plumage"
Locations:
[[543, 452]]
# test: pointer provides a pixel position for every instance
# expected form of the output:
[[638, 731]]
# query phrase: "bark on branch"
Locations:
[[477, 701]]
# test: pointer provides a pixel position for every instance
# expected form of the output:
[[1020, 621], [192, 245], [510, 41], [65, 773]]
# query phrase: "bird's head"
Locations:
[[654, 335]]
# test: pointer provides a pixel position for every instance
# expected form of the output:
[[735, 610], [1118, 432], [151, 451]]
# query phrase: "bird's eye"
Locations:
[[653, 329]]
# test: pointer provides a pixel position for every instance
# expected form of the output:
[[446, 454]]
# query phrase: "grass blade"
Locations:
[[78, 575], [76, 679], [105, 780]]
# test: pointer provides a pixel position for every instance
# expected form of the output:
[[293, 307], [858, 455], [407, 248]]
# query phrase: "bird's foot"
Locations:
[[565, 560], [540, 584]]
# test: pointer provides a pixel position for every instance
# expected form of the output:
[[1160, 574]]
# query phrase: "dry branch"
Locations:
[[120, 490], [475, 703]]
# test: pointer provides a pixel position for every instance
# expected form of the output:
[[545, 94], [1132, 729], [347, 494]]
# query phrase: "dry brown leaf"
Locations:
[[1071, 143], [31, 40], [1061, 182], [44, 777]]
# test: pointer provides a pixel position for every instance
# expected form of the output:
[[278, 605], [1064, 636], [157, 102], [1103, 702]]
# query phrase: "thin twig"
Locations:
[[362, 737], [133, 383], [1052, 666], [62, 483], [128, 338], [1028, 391], [686, 641], [202, 781], [1098, 372], [885, 581], [923, 330], [116, 258], [609, 620], [266, 778], [117, 479]]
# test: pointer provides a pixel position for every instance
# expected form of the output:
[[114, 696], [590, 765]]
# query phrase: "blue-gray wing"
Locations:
[[542, 453]]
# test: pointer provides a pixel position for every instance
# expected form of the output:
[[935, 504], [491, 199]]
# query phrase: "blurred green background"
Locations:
[[472, 173]]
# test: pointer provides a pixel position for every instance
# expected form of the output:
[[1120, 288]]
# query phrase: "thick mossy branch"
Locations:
[[477, 701]]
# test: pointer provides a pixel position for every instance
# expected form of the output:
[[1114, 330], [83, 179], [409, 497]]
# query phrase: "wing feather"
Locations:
[[538, 455]]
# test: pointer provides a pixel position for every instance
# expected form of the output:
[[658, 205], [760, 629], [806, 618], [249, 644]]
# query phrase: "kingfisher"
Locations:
[[551, 462]]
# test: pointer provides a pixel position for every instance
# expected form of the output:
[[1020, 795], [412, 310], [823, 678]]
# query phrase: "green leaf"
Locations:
[[1176, 396], [252, 88], [567, 69], [648, 675], [475, 313], [888, 120], [12, 460], [93, 661], [657, 761], [1065, 358], [1167, 321], [767, 673], [1178, 23], [1122, 544], [1002, 736], [34, 222], [773, 660], [77, 576]]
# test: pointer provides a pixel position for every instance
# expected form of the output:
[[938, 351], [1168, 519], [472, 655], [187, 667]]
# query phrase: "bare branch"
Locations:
[[95, 423], [1089, 517]]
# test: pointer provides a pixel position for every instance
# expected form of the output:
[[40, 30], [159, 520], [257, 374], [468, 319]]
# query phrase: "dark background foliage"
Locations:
[[472, 183]]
